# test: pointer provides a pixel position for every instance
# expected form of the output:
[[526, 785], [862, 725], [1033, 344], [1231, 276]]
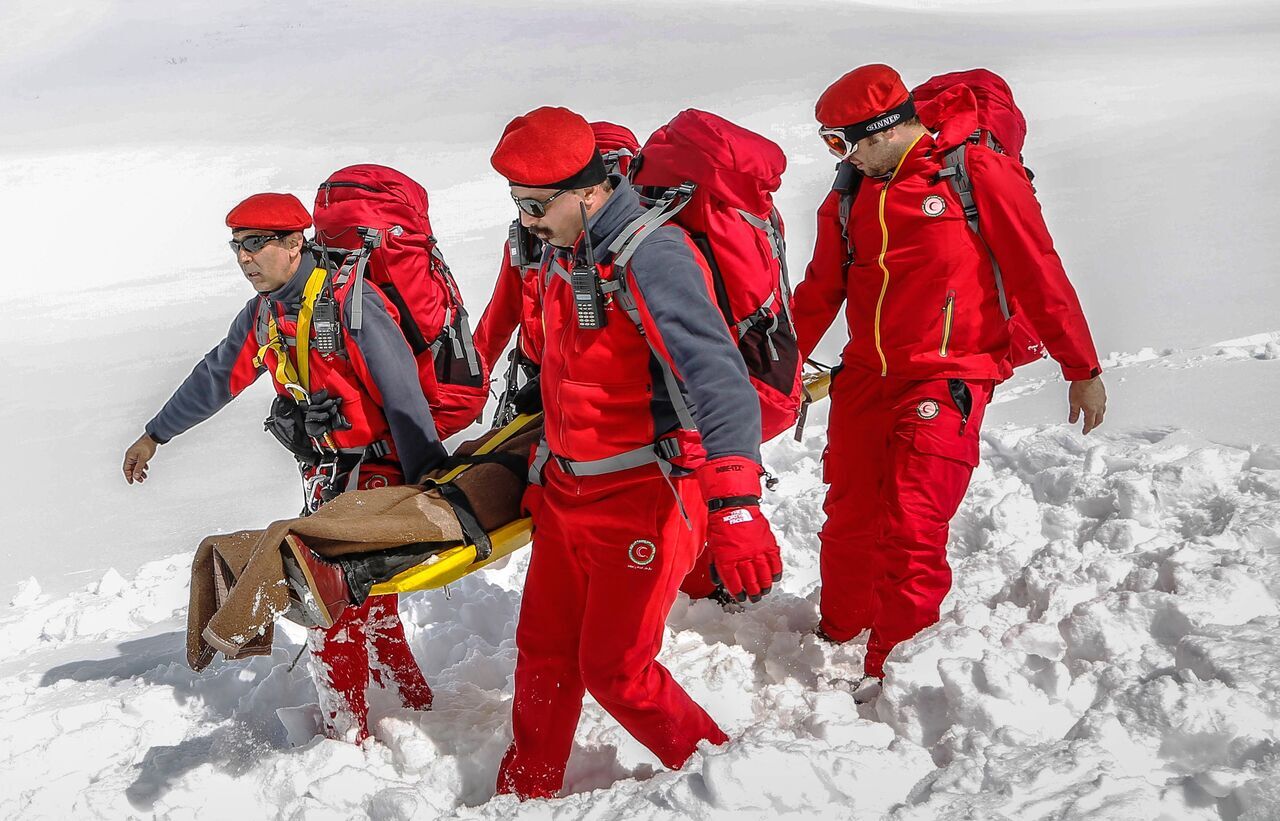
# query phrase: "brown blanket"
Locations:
[[238, 586]]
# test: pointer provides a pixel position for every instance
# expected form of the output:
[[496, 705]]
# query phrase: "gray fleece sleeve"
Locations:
[[395, 374], [690, 327], [224, 372]]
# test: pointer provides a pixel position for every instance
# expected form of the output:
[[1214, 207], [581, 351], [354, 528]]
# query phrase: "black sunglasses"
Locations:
[[536, 208], [255, 243]]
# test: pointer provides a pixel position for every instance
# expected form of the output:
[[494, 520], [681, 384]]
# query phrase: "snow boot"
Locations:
[[320, 587]]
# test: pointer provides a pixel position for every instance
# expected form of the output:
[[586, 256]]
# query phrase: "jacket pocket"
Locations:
[[948, 318]]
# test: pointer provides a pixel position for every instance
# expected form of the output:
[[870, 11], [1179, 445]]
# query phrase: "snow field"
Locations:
[[1108, 651], [1110, 648]]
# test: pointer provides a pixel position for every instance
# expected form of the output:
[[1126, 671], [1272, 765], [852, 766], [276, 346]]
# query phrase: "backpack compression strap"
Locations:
[[464, 346], [773, 230], [357, 262]]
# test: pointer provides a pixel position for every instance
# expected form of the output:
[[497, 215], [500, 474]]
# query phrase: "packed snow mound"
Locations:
[[1109, 651]]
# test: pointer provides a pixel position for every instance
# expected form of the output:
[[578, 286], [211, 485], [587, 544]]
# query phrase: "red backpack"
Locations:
[[372, 223], [716, 180], [1001, 128]]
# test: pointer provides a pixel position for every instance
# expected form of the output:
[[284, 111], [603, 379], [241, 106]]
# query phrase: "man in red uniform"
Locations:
[[365, 400], [928, 344], [651, 448], [514, 301]]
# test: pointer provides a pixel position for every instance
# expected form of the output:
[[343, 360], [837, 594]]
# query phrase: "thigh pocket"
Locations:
[[938, 430]]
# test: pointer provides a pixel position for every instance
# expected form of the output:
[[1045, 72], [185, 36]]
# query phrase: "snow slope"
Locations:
[[1109, 652], [1109, 649]]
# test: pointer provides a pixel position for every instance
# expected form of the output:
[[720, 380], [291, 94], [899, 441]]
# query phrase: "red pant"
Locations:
[[899, 458], [609, 554], [697, 583], [364, 640]]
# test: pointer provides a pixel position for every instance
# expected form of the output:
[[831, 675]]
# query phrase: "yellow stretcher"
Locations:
[[452, 564]]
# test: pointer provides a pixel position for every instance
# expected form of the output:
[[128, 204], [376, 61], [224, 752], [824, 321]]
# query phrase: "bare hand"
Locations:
[[137, 457], [1088, 397]]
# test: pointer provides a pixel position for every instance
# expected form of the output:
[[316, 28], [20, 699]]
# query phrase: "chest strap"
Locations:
[[292, 375]]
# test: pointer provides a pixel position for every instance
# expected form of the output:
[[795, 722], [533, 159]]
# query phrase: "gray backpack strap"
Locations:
[[372, 239], [847, 181], [627, 302], [775, 223], [773, 230], [957, 175], [661, 452], [261, 328], [464, 345], [667, 206], [540, 457]]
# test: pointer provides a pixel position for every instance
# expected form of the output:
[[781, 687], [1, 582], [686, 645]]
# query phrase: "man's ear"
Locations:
[[294, 241], [593, 195]]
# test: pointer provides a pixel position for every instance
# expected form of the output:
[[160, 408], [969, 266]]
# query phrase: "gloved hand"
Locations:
[[320, 414], [744, 553], [529, 398]]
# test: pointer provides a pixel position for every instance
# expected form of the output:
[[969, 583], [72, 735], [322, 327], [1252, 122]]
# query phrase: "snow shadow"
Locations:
[[233, 749], [135, 659]]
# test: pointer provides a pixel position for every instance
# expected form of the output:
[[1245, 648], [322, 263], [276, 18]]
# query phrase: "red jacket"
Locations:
[[375, 374], [514, 302], [920, 290], [603, 393]]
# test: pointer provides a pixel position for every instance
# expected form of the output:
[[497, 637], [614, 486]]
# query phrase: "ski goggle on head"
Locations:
[[536, 208], [839, 142], [255, 243]]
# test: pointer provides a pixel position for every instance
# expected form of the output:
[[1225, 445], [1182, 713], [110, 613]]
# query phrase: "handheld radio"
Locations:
[[588, 299], [324, 319], [526, 249]]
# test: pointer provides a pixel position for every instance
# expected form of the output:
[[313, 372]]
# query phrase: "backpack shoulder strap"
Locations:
[[956, 173], [847, 182], [316, 283], [670, 203], [262, 323]]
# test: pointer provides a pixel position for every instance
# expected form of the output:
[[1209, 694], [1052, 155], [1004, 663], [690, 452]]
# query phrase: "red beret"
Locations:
[[549, 148], [270, 212], [861, 95]]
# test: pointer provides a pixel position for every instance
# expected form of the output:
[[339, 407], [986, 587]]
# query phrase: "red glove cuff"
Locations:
[[729, 476]]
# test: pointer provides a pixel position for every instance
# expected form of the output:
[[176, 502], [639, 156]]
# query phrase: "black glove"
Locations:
[[286, 424], [529, 398], [320, 414]]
